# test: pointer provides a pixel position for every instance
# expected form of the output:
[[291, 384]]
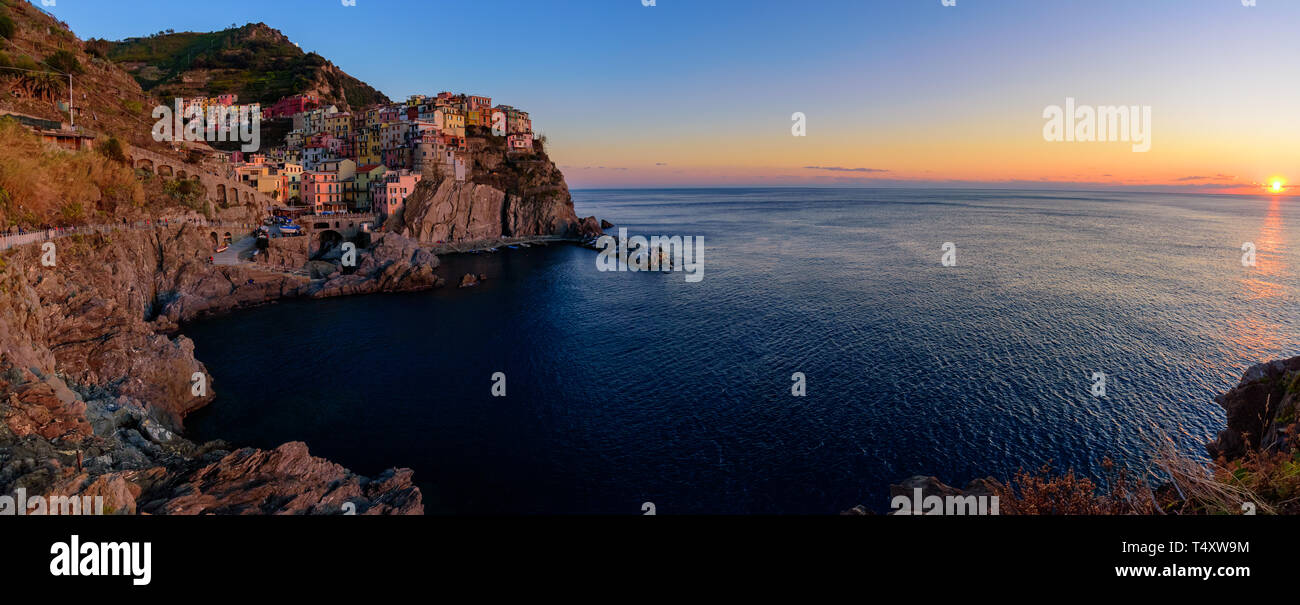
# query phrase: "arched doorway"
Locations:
[[327, 241]]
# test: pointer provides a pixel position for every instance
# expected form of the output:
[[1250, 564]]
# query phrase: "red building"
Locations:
[[288, 106]]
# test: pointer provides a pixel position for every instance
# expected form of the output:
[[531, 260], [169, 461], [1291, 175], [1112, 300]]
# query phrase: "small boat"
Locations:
[[513, 247], [290, 229]]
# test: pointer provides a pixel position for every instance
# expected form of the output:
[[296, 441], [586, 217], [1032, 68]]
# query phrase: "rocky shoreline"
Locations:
[[95, 380]]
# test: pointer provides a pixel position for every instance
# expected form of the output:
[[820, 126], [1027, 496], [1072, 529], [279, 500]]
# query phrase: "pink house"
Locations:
[[322, 192], [389, 193], [520, 142]]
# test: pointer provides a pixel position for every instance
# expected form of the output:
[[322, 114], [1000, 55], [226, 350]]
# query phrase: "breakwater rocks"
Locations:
[[95, 380]]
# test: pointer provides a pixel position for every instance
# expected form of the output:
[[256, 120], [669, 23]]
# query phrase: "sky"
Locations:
[[893, 92]]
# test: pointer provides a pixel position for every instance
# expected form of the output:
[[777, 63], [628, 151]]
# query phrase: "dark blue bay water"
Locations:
[[632, 387]]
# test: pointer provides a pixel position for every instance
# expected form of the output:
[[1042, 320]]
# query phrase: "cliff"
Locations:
[[95, 382], [504, 195]]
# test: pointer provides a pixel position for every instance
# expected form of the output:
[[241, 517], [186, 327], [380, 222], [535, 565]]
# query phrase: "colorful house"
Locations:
[[365, 176], [521, 142], [390, 192], [322, 192]]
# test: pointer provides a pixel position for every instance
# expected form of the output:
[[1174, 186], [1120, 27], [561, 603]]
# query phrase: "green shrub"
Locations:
[[112, 149], [65, 62]]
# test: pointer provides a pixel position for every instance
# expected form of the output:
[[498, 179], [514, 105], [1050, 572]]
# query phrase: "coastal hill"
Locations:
[[256, 62]]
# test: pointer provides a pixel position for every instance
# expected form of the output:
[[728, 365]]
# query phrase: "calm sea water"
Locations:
[[626, 388]]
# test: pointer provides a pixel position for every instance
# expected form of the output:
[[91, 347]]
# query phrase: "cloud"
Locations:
[[1217, 177], [843, 169], [661, 163]]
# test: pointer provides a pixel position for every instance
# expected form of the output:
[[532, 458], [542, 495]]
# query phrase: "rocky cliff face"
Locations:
[[504, 195], [1262, 410], [95, 382]]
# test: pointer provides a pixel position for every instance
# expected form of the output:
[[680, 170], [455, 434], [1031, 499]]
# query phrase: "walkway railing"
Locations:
[[9, 240]]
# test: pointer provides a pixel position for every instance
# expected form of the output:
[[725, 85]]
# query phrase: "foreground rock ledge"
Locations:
[[95, 380]]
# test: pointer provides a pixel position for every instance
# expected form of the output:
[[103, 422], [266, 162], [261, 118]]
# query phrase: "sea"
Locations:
[[840, 340]]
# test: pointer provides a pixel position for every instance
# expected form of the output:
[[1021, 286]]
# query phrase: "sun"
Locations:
[[1277, 186]]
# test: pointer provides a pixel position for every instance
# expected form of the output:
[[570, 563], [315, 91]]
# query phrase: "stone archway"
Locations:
[[145, 164], [182, 175], [327, 240], [165, 170]]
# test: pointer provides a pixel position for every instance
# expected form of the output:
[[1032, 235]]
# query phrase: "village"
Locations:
[[368, 161]]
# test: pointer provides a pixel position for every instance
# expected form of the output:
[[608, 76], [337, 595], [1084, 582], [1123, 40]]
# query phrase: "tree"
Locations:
[[64, 61], [112, 149]]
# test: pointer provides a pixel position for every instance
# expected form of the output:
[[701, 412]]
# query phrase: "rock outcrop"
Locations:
[[286, 480], [1261, 409], [504, 195], [95, 381]]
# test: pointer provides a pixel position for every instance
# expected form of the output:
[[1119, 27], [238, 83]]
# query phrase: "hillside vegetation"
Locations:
[[41, 186], [255, 61]]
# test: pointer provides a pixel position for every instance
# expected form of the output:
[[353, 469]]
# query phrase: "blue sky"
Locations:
[[701, 91]]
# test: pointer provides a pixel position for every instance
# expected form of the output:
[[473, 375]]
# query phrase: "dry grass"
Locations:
[[42, 186], [1045, 493], [1206, 490]]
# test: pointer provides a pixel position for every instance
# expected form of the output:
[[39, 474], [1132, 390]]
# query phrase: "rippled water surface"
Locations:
[[632, 387]]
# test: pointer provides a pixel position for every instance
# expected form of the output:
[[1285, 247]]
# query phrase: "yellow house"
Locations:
[[268, 182], [291, 180], [450, 122], [368, 149], [339, 125]]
